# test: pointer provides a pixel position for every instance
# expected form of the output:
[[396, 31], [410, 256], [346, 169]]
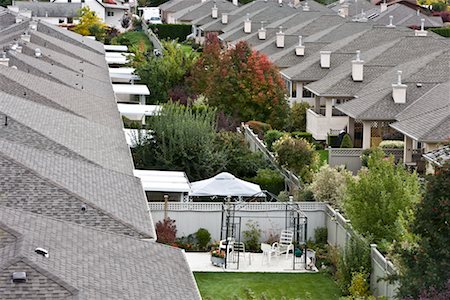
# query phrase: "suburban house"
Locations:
[[61, 14], [74, 220]]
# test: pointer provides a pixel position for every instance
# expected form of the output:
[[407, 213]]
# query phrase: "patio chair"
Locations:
[[311, 256], [285, 244], [227, 244], [268, 252], [237, 249]]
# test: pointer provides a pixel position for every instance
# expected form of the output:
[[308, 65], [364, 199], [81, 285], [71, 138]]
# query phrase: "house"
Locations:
[[74, 220], [437, 158], [61, 14]]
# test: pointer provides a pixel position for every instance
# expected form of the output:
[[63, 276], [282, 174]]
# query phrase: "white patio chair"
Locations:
[[237, 249], [285, 244], [268, 252], [310, 259]]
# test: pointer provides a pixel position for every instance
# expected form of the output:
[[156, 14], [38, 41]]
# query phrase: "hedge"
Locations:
[[302, 135], [445, 32], [171, 31]]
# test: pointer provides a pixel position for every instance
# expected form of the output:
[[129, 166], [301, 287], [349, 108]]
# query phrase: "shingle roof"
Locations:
[[406, 16], [439, 156], [85, 263], [50, 9], [205, 10]]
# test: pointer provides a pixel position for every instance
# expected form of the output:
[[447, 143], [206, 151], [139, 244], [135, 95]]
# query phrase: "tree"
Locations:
[[182, 138], [240, 82], [90, 24], [166, 72], [297, 116], [426, 260], [346, 141], [382, 193], [166, 231], [298, 155], [329, 184]]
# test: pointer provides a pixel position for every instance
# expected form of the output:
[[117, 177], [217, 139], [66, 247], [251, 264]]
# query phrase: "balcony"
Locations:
[[320, 125]]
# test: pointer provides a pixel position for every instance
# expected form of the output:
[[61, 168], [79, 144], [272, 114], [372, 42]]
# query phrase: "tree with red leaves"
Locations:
[[241, 82]]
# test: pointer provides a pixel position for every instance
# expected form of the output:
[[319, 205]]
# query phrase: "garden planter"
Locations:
[[217, 261]]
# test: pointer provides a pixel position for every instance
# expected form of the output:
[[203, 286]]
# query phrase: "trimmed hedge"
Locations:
[[171, 31], [445, 32], [302, 135]]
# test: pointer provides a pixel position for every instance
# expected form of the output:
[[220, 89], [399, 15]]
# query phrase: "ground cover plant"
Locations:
[[266, 286]]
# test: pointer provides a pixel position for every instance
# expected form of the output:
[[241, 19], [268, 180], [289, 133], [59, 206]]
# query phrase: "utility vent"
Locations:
[[37, 52], [224, 18], [41, 251], [248, 24], [19, 277]]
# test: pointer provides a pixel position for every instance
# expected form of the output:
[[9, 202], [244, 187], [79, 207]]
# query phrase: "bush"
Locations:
[[365, 157], [389, 144], [305, 195], [445, 32], [270, 180], [171, 31], [302, 135], [203, 238], [260, 128], [359, 286], [329, 184], [271, 137], [321, 235], [166, 231], [346, 141], [298, 116], [252, 236]]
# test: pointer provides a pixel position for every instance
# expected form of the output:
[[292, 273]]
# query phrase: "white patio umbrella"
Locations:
[[225, 184]]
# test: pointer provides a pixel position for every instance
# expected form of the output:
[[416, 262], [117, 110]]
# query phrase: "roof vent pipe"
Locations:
[[236, 2], [37, 52], [224, 18], [325, 59], [358, 67], [214, 12], [391, 24], [300, 48], [248, 24], [422, 31], [383, 6], [280, 38], [306, 6], [4, 61], [399, 89], [262, 32]]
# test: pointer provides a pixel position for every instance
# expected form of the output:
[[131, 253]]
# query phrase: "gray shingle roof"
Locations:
[[438, 157], [85, 263], [50, 9], [205, 10], [406, 16]]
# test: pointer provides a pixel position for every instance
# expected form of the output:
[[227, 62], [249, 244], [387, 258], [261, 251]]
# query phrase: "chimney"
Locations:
[[422, 31], [214, 11], [399, 89], [296, 2], [383, 6], [325, 59], [306, 6], [280, 38], [236, 2], [16, 47], [248, 24], [4, 61], [357, 67], [224, 18], [343, 11], [300, 49], [262, 32], [25, 36], [391, 24], [341, 1]]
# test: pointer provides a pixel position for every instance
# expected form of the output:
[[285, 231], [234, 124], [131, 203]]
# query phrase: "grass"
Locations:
[[272, 285], [131, 38], [323, 154]]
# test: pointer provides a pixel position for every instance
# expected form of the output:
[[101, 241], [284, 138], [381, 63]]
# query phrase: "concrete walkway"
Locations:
[[250, 262]]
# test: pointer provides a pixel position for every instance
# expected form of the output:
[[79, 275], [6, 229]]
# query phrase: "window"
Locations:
[[307, 94], [294, 89], [110, 14], [61, 21], [69, 20]]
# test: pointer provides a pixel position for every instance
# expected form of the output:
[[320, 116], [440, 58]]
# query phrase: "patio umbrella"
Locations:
[[225, 184]]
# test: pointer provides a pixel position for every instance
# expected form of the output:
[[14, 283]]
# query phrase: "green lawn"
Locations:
[[273, 285], [323, 156], [131, 38]]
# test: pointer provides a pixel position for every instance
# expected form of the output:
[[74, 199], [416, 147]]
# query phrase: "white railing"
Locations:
[[319, 125], [248, 206]]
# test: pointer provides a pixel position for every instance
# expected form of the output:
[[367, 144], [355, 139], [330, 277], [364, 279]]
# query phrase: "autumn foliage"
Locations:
[[241, 82]]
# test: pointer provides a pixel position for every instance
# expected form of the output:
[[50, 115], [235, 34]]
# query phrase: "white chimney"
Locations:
[[224, 18], [214, 12], [300, 48], [399, 89], [19, 19], [306, 6], [341, 1], [343, 11], [4, 61], [280, 38], [422, 31], [262, 32], [325, 59], [248, 24], [391, 23], [236, 2], [26, 36], [296, 2], [357, 67], [383, 6]]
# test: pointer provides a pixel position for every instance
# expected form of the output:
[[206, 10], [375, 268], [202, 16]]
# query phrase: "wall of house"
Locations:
[[115, 19], [298, 96], [55, 21], [319, 126]]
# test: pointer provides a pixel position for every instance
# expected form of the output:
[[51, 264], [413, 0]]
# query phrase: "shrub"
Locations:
[[271, 137], [302, 135], [270, 180], [298, 155], [171, 31], [359, 286], [298, 116], [166, 231], [203, 238], [321, 235], [365, 157], [260, 128], [305, 195], [252, 236], [346, 141], [329, 184], [391, 144]]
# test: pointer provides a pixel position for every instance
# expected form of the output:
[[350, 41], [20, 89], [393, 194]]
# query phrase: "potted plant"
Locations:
[[218, 257]]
